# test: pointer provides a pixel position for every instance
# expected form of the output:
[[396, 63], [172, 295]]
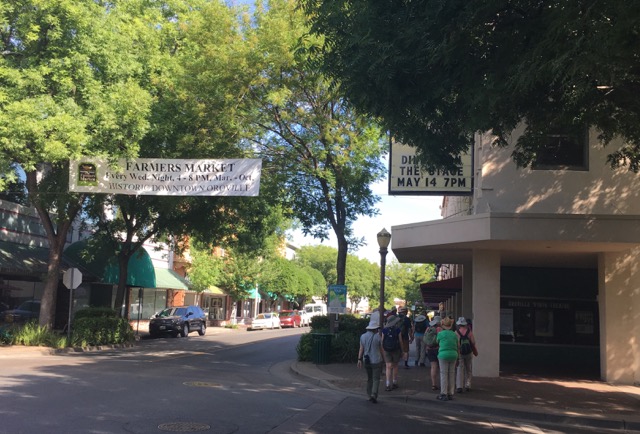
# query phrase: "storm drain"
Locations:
[[183, 427], [202, 384]]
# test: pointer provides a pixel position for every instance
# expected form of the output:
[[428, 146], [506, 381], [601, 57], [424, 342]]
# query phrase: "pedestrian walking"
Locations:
[[419, 327], [371, 356], [431, 343], [467, 345], [406, 329], [392, 346], [447, 358]]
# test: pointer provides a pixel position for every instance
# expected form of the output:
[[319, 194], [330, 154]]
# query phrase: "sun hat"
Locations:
[[447, 323], [392, 320], [420, 318], [374, 321], [462, 321], [404, 309], [435, 321]]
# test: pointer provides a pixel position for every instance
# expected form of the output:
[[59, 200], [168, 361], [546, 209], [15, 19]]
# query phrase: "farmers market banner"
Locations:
[[161, 177]]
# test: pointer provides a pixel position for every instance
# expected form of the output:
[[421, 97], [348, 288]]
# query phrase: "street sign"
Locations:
[[72, 278]]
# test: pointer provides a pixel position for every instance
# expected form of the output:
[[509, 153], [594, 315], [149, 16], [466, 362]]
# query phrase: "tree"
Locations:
[[403, 281], [70, 84], [361, 282], [436, 72], [329, 153]]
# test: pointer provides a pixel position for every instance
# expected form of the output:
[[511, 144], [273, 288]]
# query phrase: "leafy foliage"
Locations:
[[328, 153], [436, 72]]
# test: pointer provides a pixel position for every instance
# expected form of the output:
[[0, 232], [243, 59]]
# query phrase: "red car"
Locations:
[[289, 318]]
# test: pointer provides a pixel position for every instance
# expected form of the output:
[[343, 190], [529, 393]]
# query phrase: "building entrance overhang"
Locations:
[[556, 240]]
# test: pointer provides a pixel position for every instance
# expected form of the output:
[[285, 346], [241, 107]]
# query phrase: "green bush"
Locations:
[[344, 344], [95, 312], [305, 347], [88, 331], [32, 334]]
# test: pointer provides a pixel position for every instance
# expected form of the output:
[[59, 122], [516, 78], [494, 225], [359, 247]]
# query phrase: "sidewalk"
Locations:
[[578, 402]]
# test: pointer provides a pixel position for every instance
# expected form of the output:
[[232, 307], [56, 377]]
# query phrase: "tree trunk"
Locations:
[[341, 263], [121, 292]]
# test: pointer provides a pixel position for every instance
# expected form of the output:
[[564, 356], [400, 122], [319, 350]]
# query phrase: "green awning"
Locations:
[[100, 261], [169, 279]]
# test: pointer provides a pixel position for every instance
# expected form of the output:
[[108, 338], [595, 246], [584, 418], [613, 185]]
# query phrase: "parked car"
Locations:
[[180, 320], [269, 320], [289, 318], [26, 311], [305, 321]]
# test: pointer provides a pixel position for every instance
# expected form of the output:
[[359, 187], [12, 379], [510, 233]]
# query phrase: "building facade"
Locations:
[[546, 259]]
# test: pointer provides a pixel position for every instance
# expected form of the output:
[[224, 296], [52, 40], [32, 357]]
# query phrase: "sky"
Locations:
[[394, 210]]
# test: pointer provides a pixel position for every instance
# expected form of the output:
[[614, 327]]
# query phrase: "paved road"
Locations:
[[235, 382]]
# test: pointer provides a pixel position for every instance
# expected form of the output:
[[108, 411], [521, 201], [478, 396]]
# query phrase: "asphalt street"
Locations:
[[225, 382]]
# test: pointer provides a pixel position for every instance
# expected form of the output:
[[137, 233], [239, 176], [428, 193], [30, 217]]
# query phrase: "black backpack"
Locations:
[[465, 344], [391, 340], [421, 326]]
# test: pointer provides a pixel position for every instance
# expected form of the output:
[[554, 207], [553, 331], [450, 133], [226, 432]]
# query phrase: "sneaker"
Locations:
[[459, 390], [388, 389], [395, 386], [441, 397], [373, 400], [468, 389], [450, 397]]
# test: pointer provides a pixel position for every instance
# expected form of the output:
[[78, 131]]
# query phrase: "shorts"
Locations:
[[392, 356], [432, 355]]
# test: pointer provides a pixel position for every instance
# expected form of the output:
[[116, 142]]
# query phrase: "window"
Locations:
[[565, 150]]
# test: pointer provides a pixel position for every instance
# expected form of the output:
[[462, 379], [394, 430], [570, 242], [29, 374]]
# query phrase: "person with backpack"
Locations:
[[431, 348], [392, 346], [419, 327], [371, 355], [467, 351], [406, 330]]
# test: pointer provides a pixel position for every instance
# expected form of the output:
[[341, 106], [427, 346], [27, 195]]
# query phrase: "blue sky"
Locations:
[[394, 210]]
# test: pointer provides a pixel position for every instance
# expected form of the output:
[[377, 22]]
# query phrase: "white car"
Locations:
[[269, 320], [305, 321]]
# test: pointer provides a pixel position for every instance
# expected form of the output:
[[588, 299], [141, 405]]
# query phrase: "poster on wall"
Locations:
[[166, 177], [407, 177]]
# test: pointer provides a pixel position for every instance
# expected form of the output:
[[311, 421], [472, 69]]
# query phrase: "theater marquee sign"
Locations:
[[162, 177], [406, 177]]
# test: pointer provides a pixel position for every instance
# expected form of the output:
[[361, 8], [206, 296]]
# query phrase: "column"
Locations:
[[619, 310], [485, 281]]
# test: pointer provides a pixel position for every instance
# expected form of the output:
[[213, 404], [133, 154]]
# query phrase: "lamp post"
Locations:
[[384, 238]]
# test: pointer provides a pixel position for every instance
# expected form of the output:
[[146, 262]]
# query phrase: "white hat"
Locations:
[[420, 318], [462, 321], [374, 322], [435, 321]]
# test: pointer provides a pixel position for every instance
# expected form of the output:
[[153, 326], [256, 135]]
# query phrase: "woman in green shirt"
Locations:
[[447, 357]]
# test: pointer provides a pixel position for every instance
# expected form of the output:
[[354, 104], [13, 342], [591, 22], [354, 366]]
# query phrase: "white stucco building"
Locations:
[[547, 259]]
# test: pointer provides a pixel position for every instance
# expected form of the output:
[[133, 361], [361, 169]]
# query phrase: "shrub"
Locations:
[[32, 334], [305, 347], [344, 344], [100, 326]]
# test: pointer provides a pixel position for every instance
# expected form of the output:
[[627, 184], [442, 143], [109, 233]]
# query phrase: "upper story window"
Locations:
[[564, 151]]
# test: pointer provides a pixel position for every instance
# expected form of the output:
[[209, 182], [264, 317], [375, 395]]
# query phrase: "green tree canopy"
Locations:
[[72, 82], [437, 72], [327, 152]]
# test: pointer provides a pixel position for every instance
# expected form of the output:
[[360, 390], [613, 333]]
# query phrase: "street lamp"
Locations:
[[384, 238]]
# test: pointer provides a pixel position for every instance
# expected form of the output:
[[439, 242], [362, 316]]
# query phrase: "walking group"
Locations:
[[448, 346]]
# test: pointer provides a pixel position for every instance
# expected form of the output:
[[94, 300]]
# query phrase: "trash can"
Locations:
[[321, 348]]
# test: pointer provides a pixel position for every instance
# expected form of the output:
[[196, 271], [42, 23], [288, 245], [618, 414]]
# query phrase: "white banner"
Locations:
[[408, 178], [161, 177]]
